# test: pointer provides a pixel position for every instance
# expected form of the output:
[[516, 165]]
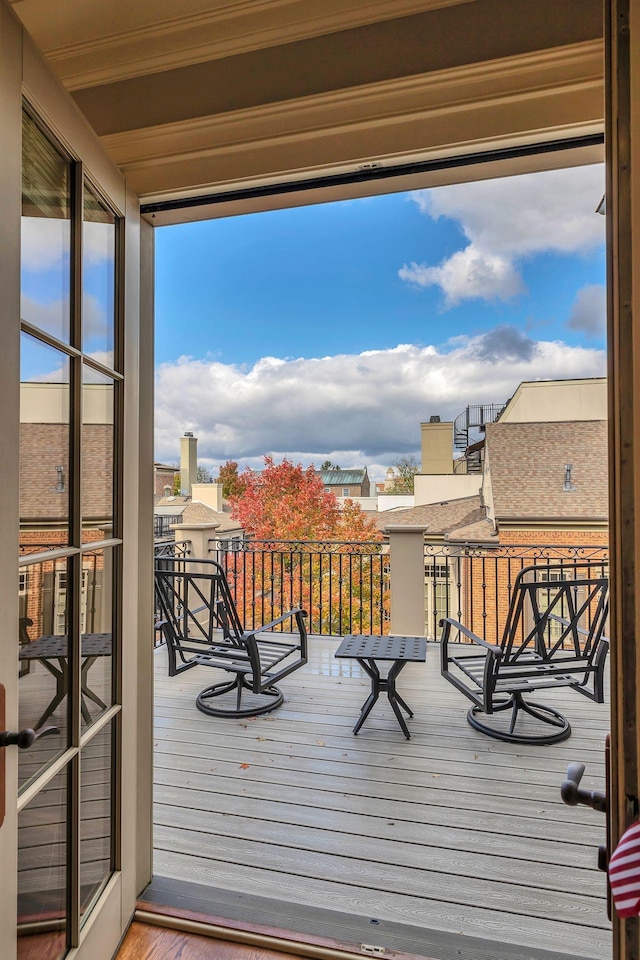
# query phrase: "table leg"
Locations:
[[86, 691], [395, 699], [62, 687], [370, 668], [366, 710]]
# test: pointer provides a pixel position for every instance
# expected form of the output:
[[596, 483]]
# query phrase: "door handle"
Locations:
[[572, 794], [25, 738]]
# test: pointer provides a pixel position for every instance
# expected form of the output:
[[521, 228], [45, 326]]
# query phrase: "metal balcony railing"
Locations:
[[162, 525], [346, 587], [473, 584], [343, 586]]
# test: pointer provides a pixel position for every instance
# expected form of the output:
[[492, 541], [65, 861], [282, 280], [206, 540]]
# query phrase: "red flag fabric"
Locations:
[[624, 873]]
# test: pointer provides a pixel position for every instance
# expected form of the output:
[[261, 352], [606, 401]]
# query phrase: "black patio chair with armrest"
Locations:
[[553, 637], [201, 627]]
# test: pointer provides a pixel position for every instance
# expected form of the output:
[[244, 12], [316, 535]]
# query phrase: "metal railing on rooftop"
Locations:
[[473, 584], [343, 586], [162, 525], [346, 587]]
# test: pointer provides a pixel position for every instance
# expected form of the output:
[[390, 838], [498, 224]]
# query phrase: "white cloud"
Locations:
[[468, 274], [589, 310], [353, 409], [52, 317], [44, 242], [98, 242], [507, 220]]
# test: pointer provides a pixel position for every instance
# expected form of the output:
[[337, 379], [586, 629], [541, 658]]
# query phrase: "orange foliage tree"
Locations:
[[305, 551]]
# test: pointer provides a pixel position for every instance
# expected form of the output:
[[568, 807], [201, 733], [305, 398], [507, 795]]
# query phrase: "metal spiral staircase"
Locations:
[[472, 421]]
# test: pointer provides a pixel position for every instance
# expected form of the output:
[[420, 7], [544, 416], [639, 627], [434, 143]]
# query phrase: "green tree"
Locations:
[[232, 483], [176, 484], [327, 465], [406, 468]]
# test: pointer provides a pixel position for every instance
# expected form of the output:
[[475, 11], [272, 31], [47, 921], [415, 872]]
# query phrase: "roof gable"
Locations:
[[343, 478], [527, 466]]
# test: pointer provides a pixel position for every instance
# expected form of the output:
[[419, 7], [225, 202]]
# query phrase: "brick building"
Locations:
[[46, 510], [346, 483], [543, 499], [163, 476]]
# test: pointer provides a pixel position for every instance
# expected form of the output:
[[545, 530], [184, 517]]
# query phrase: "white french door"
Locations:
[[63, 814]]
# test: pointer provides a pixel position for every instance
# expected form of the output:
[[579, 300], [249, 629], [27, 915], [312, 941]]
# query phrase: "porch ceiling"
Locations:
[[212, 95]]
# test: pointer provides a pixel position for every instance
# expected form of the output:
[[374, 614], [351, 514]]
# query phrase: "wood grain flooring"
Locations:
[[146, 942], [449, 831]]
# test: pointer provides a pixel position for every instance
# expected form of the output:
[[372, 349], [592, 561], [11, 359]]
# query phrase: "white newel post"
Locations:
[[406, 548], [199, 535]]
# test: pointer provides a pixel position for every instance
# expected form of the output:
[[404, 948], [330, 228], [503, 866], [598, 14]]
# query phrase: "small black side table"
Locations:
[[400, 650], [55, 648]]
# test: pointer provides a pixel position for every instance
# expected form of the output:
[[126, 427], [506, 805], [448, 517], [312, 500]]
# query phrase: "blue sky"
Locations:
[[333, 330]]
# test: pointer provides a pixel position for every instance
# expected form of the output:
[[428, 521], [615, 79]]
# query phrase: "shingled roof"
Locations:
[[527, 465], [460, 520]]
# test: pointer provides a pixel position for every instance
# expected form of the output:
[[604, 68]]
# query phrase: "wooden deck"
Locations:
[[450, 831]]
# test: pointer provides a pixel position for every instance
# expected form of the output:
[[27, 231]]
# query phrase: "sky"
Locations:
[[332, 331]]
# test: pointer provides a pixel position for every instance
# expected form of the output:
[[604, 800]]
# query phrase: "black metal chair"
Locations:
[[201, 627], [553, 637]]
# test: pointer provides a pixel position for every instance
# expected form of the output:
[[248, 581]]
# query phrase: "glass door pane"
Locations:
[[69, 552], [45, 233], [98, 400], [42, 873], [96, 816], [98, 280], [43, 687], [45, 412]]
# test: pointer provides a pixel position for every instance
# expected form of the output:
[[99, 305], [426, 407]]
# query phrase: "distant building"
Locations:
[[163, 477], [204, 507], [346, 483], [544, 488]]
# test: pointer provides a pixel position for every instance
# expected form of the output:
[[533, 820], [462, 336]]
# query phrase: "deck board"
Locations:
[[449, 831]]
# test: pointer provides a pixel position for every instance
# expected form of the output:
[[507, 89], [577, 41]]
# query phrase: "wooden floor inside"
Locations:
[[146, 942], [451, 831]]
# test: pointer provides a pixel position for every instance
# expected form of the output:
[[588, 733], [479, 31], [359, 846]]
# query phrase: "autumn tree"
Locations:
[[338, 581], [406, 468], [285, 501], [232, 482]]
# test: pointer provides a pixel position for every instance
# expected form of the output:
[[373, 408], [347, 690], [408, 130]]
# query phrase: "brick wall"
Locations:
[[43, 448], [486, 580], [163, 478]]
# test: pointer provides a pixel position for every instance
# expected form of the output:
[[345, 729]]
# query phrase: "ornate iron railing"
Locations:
[[345, 587], [473, 584]]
